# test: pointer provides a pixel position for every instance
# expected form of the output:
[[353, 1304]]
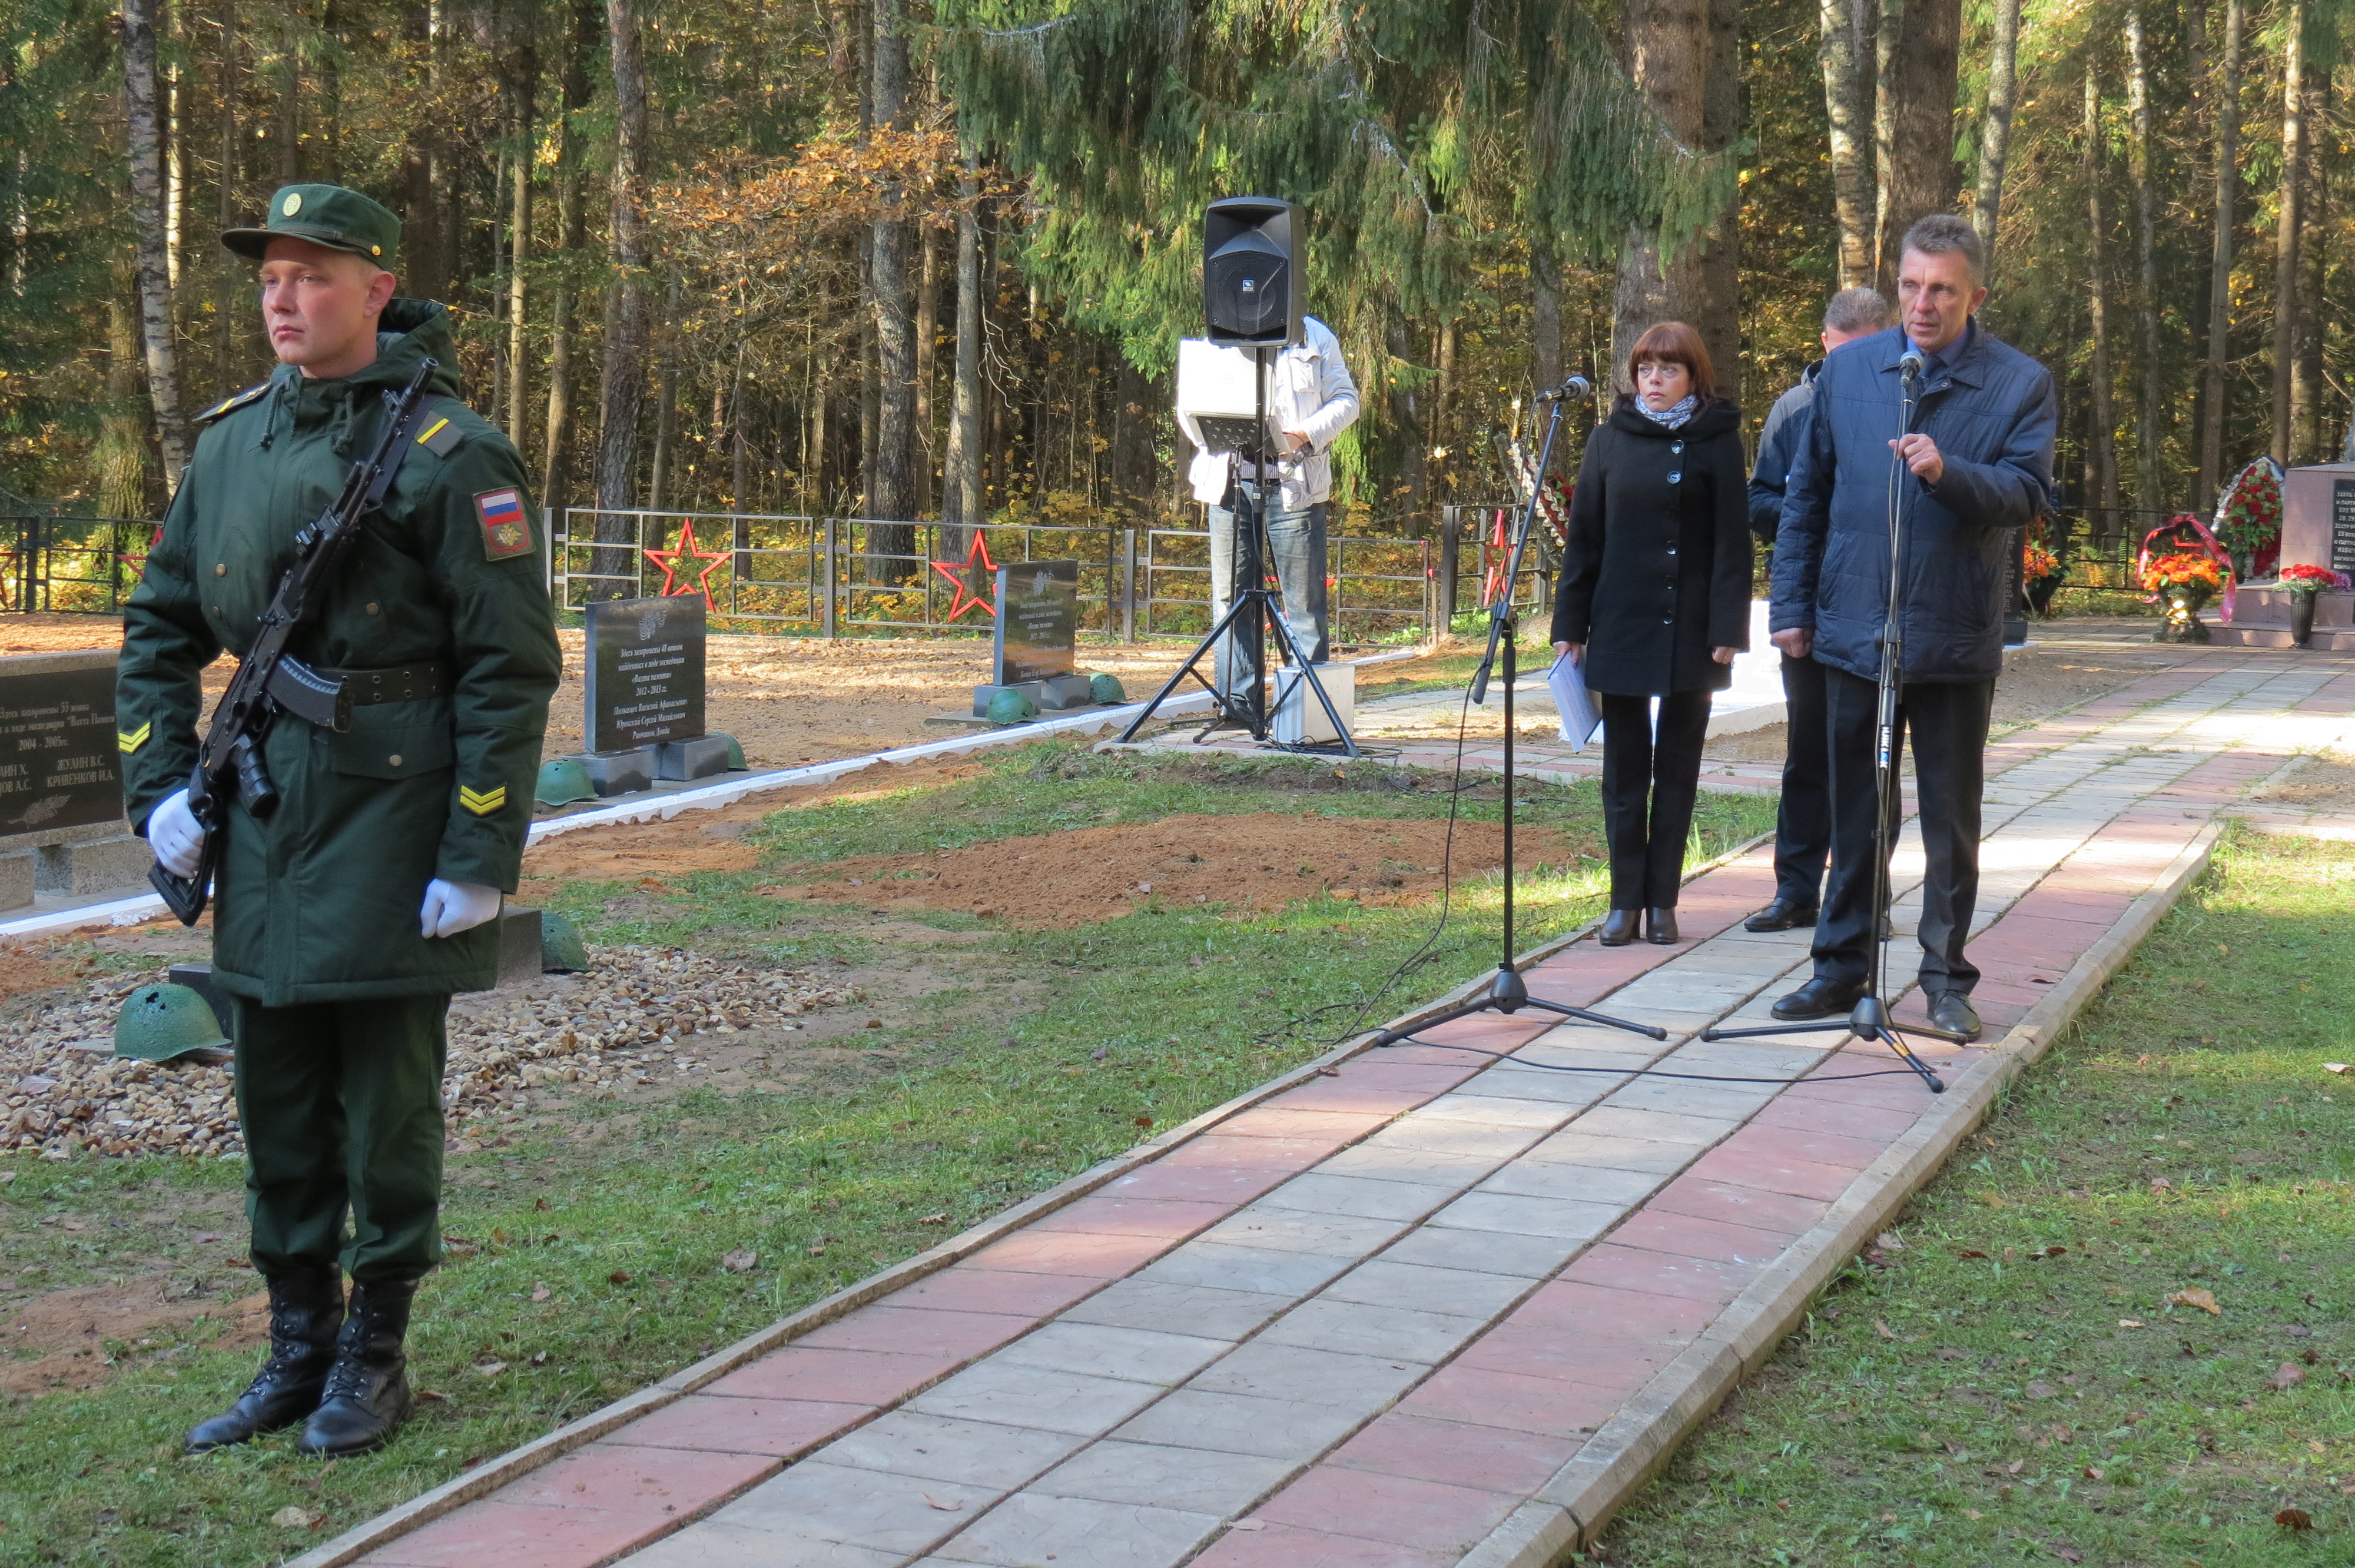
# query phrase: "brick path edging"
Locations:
[[454, 1493], [1567, 1513]]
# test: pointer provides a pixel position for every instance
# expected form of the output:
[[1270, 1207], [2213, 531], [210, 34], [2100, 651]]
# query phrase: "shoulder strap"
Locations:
[[233, 403]]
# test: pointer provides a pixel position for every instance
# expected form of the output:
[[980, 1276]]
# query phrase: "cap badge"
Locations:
[[290, 205]]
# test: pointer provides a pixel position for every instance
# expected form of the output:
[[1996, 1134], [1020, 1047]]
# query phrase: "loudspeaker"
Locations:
[[1251, 280]]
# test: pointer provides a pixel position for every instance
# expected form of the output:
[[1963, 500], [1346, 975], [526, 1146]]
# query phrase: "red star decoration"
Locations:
[[670, 561], [976, 568]]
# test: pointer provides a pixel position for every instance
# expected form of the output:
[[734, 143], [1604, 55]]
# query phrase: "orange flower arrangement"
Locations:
[[2037, 562], [2182, 569]]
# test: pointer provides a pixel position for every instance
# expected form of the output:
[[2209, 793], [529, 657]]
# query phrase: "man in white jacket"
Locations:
[[1311, 399]]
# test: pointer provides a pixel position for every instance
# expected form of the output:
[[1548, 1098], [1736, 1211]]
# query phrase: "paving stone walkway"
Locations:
[[1373, 1320]]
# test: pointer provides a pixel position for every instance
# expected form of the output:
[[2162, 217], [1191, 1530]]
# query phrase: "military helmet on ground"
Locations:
[[157, 1022]]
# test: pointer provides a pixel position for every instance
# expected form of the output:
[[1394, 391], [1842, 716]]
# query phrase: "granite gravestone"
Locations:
[[1035, 648], [644, 679], [2342, 525], [61, 826]]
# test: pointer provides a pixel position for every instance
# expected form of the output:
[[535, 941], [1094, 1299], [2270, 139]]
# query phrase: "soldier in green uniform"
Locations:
[[344, 920]]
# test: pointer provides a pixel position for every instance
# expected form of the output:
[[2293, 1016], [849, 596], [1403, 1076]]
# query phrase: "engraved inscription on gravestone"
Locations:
[[1037, 621], [59, 764], [2342, 525], [645, 671]]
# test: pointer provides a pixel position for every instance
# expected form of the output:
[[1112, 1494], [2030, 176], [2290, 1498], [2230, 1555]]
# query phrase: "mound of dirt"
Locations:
[[60, 1336], [1257, 861]]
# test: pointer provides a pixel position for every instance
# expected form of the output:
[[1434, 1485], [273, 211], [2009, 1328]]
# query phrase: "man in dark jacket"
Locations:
[[1974, 462], [344, 920], [1802, 823]]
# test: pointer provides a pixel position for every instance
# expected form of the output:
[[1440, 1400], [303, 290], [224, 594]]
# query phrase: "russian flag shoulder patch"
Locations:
[[505, 532]]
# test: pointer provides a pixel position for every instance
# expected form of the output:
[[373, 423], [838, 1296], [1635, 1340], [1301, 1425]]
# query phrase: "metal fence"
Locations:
[[1477, 541], [73, 564], [840, 577]]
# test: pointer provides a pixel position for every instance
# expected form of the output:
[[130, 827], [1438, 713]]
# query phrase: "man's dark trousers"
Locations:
[[1947, 724], [1803, 824], [341, 1107]]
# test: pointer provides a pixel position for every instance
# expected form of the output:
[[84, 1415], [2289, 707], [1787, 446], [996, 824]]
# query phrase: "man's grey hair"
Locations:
[[1944, 233], [1856, 310]]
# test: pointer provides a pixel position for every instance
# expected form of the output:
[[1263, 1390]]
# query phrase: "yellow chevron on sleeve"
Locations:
[[130, 740], [482, 802], [431, 430]]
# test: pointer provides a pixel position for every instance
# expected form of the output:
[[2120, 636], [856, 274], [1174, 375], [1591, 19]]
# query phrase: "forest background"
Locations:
[[883, 259]]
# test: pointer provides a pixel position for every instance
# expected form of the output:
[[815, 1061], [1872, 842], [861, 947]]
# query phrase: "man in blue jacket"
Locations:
[[1802, 823], [1974, 462]]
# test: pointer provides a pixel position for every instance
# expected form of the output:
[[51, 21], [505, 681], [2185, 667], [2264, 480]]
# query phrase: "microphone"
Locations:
[[1910, 362], [1576, 387]]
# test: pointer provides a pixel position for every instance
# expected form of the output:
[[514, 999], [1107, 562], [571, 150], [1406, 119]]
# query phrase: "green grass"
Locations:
[[1974, 1398], [970, 1101]]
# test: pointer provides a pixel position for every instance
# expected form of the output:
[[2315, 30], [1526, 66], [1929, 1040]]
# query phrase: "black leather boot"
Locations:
[[368, 1391], [1660, 925], [1618, 928], [305, 1312]]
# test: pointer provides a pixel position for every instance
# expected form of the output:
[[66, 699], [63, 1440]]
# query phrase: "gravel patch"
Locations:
[[640, 1016]]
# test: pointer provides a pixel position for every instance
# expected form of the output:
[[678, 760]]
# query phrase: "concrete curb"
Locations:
[[480, 1482], [1569, 1511]]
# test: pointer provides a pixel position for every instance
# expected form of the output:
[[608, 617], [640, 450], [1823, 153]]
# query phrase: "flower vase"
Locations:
[[2183, 624], [2301, 620]]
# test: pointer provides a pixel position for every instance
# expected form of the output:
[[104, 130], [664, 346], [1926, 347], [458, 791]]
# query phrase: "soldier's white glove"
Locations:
[[173, 835], [451, 907]]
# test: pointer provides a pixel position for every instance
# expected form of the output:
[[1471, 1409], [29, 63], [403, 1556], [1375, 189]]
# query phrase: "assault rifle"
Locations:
[[270, 680]]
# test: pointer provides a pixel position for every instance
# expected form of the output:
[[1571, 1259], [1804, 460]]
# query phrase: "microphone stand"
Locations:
[[1508, 993], [1869, 1018]]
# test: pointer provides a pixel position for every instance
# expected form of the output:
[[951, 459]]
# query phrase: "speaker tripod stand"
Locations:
[[1508, 993], [1869, 1018], [1252, 610]]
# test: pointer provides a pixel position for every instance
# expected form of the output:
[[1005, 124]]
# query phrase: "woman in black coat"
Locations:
[[1654, 601]]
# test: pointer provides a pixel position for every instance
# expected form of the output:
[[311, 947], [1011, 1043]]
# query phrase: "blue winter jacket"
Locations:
[[1993, 416]]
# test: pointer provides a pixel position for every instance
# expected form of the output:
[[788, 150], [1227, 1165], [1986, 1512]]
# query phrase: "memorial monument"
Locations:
[[2318, 530], [1034, 651], [644, 672], [61, 825]]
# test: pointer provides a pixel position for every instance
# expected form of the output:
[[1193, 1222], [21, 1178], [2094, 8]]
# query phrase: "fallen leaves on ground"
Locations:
[[740, 1260], [294, 1517], [2294, 1518], [2204, 1301], [2286, 1375]]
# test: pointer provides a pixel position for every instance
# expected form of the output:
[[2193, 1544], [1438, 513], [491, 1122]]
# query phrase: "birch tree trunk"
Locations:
[[2288, 219], [2150, 486], [1846, 27], [963, 499], [2219, 265], [570, 233], [625, 383], [892, 488], [524, 86], [926, 340], [2305, 386], [147, 219], [1995, 131], [2104, 417]]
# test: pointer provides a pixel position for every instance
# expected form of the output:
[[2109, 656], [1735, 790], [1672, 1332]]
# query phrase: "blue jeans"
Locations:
[[1296, 543]]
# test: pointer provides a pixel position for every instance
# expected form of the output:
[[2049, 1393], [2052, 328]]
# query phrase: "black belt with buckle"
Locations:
[[401, 683]]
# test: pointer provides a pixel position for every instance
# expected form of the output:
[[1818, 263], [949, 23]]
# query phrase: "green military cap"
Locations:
[[323, 215]]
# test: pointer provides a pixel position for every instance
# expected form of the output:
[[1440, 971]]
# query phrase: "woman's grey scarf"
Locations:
[[1673, 416]]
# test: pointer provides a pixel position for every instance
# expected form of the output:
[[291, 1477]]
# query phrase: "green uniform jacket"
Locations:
[[319, 902]]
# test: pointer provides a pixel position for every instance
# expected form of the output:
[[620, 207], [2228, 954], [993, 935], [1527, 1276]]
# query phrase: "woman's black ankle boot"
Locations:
[[1618, 928]]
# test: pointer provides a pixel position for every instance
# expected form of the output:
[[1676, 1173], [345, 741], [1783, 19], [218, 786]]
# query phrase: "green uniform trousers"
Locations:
[[341, 1104]]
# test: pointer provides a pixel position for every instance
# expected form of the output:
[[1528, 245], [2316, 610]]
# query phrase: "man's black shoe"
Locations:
[[1618, 927], [305, 1312], [368, 1392], [1781, 916], [1952, 1011], [1819, 998]]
